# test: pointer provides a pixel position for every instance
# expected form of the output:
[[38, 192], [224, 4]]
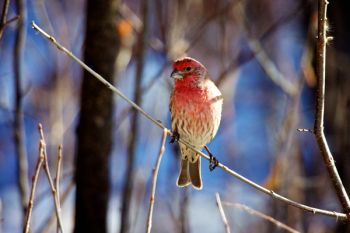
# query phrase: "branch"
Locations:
[[222, 213], [63, 198], [320, 105], [261, 215], [263, 59], [34, 184], [243, 57], [55, 194], [57, 183], [3, 18], [339, 216], [154, 181]]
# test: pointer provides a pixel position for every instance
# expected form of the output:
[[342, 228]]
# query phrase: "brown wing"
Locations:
[[170, 110]]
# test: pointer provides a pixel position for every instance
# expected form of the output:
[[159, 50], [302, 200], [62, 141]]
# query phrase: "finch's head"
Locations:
[[188, 70]]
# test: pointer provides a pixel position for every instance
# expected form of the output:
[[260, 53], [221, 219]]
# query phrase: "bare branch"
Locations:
[[63, 198], [320, 105], [339, 216], [57, 183], [222, 213], [261, 215], [154, 181], [54, 192], [261, 56], [34, 184]]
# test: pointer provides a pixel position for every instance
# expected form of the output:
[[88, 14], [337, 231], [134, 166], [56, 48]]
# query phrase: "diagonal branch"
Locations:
[[320, 105], [39, 163], [262, 57], [338, 216], [3, 18], [261, 215], [222, 213], [154, 181]]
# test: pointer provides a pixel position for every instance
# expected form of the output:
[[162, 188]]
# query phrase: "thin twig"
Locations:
[[222, 213], [339, 216], [55, 195], [96, 75], [63, 198], [34, 184], [125, 112], [261, 215], [320, 105], [57, 184], [154, 181]]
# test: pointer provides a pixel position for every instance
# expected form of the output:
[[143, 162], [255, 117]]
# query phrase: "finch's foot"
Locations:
[[175, 137], [213, 162]]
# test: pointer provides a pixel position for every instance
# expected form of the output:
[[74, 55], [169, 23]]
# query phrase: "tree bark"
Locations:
[[337, 113], [94, 131]]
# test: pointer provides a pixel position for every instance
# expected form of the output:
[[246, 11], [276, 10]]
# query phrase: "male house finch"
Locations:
[[195, 106]]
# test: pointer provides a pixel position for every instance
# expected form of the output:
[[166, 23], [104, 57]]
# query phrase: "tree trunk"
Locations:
[[94, 132], [337, 112]]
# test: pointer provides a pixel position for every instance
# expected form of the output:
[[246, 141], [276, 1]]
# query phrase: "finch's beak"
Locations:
[[176, 74]]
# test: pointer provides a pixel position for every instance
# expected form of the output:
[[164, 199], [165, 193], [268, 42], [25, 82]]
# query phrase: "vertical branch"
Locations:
[[18, 127], [154, 181], [57, 183], [320, 100], [222, 213], [34, 184], [129, 180]]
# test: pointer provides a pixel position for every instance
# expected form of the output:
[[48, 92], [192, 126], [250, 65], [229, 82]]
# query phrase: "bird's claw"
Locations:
[[175, 137], [213, 162]]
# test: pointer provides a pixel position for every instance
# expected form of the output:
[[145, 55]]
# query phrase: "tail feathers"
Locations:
[[184, 178], [195, 174], [190, 169]]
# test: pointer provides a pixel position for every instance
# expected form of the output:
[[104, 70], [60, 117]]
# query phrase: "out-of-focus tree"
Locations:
[[94, 132]]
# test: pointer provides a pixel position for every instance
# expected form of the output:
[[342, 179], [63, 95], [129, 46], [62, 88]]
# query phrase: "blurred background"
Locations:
[[260, 53]]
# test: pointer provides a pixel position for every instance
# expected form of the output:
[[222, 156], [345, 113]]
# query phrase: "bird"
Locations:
[[195, 107]]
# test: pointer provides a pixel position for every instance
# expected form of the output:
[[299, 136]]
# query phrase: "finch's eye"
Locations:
[[188, 68]]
